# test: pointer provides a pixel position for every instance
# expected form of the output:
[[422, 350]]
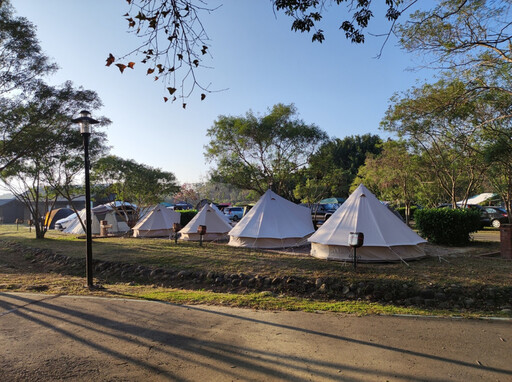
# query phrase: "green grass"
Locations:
[[267, 301], [460, 266]]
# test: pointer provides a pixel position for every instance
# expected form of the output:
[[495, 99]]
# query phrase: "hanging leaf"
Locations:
[[203, 96], [156, 78], [150, 70], [121, 67], [166, 99], [196, 63], [110, 60], [203, 51], [184, 106], [180, 56], [171, 90], [131, 64]]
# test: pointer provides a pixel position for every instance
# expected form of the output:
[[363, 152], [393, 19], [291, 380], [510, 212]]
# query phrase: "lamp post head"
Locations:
[[85, 121]]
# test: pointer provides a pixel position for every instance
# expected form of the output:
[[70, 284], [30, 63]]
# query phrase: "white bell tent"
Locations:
[[157, 223], [220, 213], [273, 222], [386, 237], [216, 226]]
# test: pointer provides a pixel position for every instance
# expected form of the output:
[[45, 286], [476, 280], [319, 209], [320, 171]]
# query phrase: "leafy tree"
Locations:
[[395, 172], [471, 38], [334, 166], [22, 63], [25, 124], [444, 128], [258, 152], [128, 181], [38, 177], [498, 154], [311, 190], [466, 34]]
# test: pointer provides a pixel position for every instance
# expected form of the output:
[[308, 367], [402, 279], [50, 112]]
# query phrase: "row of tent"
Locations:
[[275, 222]]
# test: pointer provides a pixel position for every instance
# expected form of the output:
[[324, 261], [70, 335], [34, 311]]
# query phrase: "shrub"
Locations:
[[186, 216], [447, 226]]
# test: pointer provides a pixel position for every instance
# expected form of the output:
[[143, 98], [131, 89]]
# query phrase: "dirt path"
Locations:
[[46, 337]]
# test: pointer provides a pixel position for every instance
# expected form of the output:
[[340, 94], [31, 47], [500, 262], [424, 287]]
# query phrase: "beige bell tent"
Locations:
[[216, 227], [386, 237], [99, 213], [157, 223], [220, 213], [273, 222]]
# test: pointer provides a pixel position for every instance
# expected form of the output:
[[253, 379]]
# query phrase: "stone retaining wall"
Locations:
[[383, 291]]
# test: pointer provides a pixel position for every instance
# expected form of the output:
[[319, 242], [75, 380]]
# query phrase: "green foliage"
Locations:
[[186, 216], [443, 126], [447, 226], [22, 60], [471, 39], [128, 181], [393, 173], [333, 168], [255, 152], [401, 211], [468, 35], [43, 153]]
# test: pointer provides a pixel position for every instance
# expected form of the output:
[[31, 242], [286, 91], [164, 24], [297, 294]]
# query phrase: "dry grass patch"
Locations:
[[445, 266]]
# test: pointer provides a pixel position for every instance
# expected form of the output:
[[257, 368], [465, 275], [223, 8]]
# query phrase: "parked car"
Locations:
[[485, 220], [497, 215], [321, 212], [234, 213]]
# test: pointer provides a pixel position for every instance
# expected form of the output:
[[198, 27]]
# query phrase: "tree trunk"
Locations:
[[40, 231]]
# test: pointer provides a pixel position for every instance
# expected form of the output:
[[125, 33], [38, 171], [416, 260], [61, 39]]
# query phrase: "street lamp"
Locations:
[[85, 121]]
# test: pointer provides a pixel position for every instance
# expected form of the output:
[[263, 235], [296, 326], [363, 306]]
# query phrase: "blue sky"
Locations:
[[337, 86]]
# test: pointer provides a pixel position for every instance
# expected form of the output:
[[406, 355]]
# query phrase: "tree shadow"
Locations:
[[164, 336]]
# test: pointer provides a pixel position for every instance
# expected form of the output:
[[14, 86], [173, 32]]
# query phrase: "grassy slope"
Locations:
[[460, 269]]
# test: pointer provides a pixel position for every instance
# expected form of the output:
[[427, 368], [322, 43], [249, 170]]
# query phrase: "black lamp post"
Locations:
[[85, 121]]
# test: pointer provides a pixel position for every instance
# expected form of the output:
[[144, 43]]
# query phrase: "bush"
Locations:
[[447, 226], [186, 216]]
